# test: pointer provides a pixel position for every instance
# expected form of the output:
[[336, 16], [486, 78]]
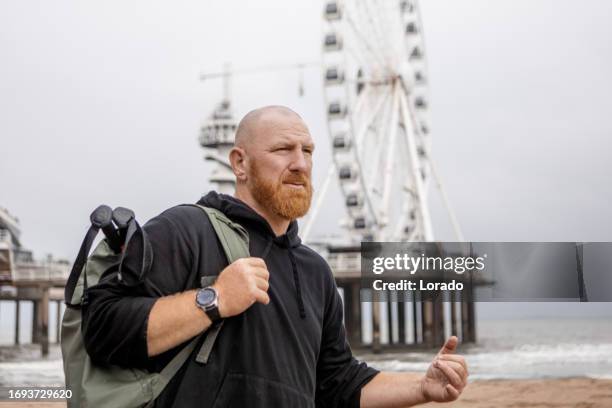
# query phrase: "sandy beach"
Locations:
[[559, 393], [565, 393]]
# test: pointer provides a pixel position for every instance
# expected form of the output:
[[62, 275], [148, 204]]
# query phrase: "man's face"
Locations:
[[279, 167]]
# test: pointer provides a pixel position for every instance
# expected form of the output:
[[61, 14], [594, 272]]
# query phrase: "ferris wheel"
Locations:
[[376, 97], [377, 106]]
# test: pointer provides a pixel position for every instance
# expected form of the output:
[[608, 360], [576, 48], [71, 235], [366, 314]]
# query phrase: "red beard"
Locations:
[[287, 202]]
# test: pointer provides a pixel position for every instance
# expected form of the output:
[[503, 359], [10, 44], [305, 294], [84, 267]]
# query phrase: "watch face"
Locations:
[[205, 297]]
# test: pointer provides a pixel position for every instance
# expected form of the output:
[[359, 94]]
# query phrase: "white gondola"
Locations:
[[334, 76], [333, 11], [332, 42], [354, 200], [336, 110], [407, 6], [419, 78], [416, 53], [411, 28], [341, 141], [420, 102], [360, 223], [347, 172]]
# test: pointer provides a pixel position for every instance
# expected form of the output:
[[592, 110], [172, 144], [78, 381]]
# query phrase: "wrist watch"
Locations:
[[207, 299]]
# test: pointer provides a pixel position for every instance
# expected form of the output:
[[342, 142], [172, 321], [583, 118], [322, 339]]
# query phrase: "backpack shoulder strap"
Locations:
[[235, 242], [233, 237]]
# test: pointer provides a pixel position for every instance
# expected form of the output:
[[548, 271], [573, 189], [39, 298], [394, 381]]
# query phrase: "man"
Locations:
[[283, 343]]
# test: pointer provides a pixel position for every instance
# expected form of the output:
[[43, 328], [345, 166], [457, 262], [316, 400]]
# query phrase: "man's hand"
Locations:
[[447, 375], [241, 284]]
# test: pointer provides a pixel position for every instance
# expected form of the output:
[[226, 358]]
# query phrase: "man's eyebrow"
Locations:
[[281, 143], [289, 142]]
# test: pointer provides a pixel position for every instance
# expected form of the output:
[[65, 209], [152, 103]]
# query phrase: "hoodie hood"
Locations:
[[244, 215], [240, 212]]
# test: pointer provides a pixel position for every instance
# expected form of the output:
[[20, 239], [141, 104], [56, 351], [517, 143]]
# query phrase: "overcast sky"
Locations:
[[101, 103]]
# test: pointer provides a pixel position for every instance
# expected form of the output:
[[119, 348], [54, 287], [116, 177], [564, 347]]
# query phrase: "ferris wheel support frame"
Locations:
[[390, 152], [416, 171], [318, 202]]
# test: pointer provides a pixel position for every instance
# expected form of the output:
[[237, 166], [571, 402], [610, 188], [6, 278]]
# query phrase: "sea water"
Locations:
[[506, 349], [524, 349]]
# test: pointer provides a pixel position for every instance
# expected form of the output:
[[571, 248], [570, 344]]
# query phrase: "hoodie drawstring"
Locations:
[[267, 249], [286, 243], [298, 287]]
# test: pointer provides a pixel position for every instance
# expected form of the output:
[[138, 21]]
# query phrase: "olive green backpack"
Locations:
[[112, 386]]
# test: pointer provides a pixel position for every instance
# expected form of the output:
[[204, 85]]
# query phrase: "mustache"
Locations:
[[297, 178]]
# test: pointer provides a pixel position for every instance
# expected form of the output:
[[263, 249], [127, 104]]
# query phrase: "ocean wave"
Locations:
[[527, 361], [32, 373]]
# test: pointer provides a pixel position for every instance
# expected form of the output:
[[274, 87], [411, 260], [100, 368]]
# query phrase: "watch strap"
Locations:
[[213, 314]]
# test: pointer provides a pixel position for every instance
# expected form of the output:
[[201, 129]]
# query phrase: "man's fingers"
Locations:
[[452, 376], [262, 272], [452, 391], [459, 369], [450, 346], [262, 297], [455, 358], [262, 284], [255, 261]]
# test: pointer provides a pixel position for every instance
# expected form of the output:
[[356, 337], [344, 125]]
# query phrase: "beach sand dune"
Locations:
[[564, 393]]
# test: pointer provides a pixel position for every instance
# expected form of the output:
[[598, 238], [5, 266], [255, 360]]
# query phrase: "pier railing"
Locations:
[[49, 272], [345, 264]]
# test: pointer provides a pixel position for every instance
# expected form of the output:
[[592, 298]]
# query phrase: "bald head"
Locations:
[[258, 120], [272, 162]]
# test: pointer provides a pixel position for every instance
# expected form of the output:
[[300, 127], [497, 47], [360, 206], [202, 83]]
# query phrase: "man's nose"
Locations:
[[300, 162]]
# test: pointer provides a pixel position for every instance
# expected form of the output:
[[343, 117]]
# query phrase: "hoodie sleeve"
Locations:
[[115, 320], [340, 376]]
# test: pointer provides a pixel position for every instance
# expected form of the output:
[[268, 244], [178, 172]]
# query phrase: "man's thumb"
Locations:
[[450, 346]]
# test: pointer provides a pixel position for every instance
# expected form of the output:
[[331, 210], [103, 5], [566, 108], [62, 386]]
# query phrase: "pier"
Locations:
[[22, 279], [43, 285], [376, 326], [393, 324]]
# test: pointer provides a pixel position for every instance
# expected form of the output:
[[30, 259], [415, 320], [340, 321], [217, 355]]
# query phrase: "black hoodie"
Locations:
[[290, 353]]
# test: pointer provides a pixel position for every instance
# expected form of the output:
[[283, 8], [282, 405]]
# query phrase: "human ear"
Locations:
[[237, 158]]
